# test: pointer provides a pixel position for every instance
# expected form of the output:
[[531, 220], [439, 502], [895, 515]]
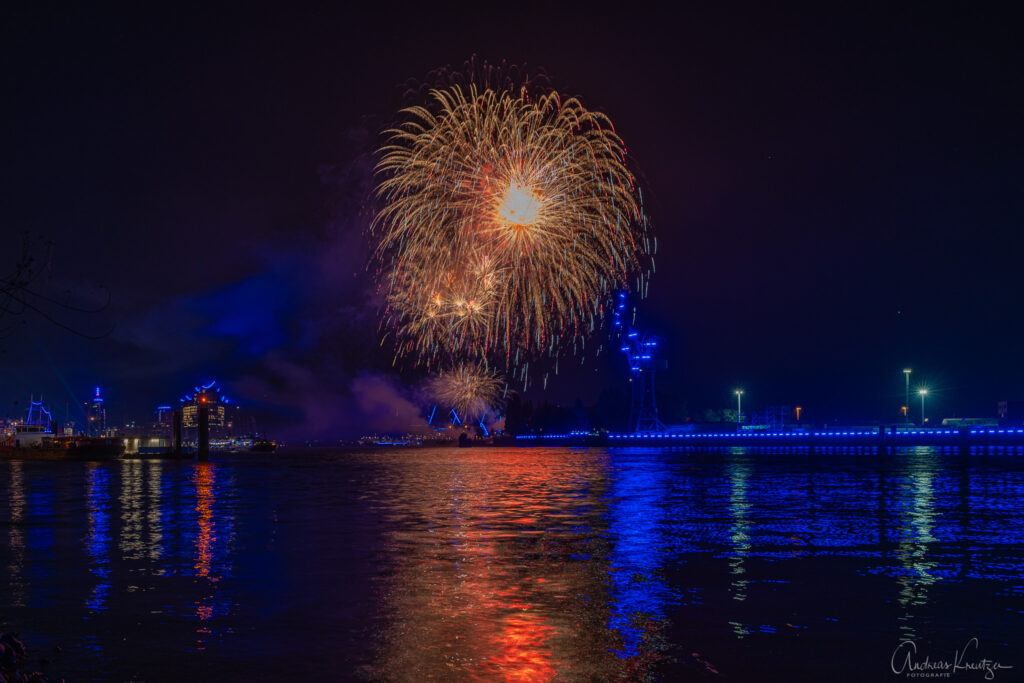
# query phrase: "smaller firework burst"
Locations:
[[472, 390], [452, 310]]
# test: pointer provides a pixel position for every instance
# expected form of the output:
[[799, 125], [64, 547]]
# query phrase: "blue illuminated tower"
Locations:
[[96, 414], [641, 350]]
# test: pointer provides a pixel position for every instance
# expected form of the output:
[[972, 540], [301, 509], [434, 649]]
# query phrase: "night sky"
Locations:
[[836, 196]]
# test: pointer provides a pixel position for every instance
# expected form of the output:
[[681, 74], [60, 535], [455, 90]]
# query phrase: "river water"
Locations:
[[517, 564]]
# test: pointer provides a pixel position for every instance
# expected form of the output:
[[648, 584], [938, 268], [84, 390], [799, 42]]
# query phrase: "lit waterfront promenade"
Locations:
[[882, 436]]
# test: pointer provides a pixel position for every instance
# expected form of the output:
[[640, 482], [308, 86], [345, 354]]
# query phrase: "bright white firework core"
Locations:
[[521, 205]]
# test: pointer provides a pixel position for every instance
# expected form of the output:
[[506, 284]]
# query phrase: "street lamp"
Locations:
[[906, 403], [739, 408], [922, 393]]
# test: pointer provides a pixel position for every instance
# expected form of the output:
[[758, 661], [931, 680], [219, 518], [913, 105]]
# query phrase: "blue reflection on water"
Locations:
[[739, 535], [97, 542], [40, 541], [638, 592]]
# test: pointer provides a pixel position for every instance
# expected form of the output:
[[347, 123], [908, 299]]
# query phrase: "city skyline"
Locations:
[[130, 414]]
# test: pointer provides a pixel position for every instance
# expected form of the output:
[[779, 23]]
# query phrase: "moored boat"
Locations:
[[263, 446]]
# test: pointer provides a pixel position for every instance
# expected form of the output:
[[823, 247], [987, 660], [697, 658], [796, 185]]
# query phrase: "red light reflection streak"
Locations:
[[523, 653], [203, 478], [484, 588]]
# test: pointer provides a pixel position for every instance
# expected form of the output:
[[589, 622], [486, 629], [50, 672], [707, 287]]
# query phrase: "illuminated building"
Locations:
[[216, 404], [96, 415], [163, 417]]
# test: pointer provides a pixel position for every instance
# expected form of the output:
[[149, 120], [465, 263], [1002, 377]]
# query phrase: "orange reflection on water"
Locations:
[[205, 536], [497, 568], [523, 653], [204, 612]]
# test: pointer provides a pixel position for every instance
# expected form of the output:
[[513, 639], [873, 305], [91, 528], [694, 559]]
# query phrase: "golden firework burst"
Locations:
[[507, 220]]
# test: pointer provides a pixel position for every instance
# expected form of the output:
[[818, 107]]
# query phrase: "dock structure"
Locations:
[[203, 434], [882, 436], [176, 419]]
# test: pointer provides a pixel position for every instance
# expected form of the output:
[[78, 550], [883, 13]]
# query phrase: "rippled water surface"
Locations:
[[515, 564]]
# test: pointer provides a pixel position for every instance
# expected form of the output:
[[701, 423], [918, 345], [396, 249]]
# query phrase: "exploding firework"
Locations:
[[507, 221], [472, 390]]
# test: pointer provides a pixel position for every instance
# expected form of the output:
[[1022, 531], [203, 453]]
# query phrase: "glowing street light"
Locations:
[[906, 403], [922, 393], [739, 408]]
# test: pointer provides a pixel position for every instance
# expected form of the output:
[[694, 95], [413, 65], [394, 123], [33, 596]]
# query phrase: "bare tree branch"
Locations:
[[21, 296]]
